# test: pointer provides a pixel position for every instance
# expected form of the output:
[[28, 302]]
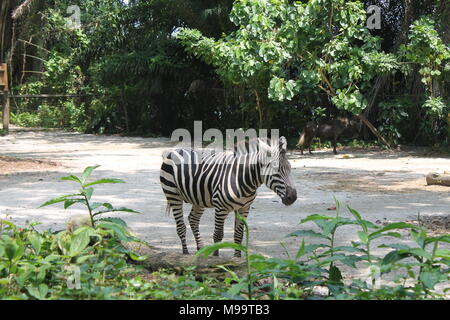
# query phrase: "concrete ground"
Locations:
[[384, 186]]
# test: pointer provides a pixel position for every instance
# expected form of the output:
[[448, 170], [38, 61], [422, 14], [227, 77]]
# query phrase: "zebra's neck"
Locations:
[[258, 155]]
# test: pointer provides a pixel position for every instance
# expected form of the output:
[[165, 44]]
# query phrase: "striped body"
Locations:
[[225, 181]]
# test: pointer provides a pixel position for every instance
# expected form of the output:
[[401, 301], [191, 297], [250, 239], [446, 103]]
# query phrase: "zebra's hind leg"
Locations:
[[194, 222], [181, 226], [239, 228], [219, 221]]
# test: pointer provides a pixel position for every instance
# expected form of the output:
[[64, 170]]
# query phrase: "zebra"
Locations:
[[225, 181]]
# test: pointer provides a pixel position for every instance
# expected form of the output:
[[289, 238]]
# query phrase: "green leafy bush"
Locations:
[[41, 265], [422, 271]]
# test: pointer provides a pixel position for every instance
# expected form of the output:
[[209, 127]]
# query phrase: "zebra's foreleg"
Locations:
[[194, 222], [239, 228], [218, 227], [181, 226]]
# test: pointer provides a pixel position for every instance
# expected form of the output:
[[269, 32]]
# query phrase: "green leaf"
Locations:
[[88, 192], [20, 249], [418, 252], [136, 257], [83, 259], [444, 238], [237, 288], [60, 199], [115, 220], [72, 178], [87, 173], [10, 225], [103, 181], [386, 234], [391, 226], [307, 233], [430, 278], [208, 250], [338, 205], [79, 241], [96, 205], [442, 253], [39, 292], [11, 249], [36, 242], [234, 276], [314, 217], [363, 236], [358, 217], [70, 202], [397, 246], [312, 247], [116, 210], [330, 226], [348, 260], [394, 256], [301, 250], [419, 237], [348, 249], [118, 230]]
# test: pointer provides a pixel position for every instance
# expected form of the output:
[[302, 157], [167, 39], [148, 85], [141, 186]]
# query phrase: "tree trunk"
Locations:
[[5, 28], [374, 130]]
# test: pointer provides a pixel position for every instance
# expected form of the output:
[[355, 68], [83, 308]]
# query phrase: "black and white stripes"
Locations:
[[226, 181]]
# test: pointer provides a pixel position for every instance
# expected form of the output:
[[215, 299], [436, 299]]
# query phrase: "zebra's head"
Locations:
[[278, 174]]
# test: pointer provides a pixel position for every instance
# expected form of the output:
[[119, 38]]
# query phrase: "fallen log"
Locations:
[[158, 259], [435, 178]]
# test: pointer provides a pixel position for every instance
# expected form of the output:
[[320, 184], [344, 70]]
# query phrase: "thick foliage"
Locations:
[[274, 64]]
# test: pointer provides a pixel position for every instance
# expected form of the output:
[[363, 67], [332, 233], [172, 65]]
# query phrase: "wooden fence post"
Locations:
[[4, 86], [5, 113]]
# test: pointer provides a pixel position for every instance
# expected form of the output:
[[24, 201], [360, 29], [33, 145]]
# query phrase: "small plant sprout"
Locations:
[[85, 193]]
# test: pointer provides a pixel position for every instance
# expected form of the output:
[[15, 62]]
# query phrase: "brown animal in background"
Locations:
[[307, 136], [331, 129]]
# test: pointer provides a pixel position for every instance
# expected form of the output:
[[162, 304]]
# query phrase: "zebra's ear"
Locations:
[[283, 144]]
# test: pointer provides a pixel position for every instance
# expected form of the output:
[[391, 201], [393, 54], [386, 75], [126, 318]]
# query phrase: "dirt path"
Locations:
[[383, 186]]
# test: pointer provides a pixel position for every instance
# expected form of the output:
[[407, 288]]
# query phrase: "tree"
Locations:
[[283, 49]]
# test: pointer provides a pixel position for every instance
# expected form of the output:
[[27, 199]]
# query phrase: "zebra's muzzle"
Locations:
[[291, 196]]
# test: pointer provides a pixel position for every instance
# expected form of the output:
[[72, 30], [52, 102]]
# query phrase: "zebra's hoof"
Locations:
[[216, 253], [185, 252]]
